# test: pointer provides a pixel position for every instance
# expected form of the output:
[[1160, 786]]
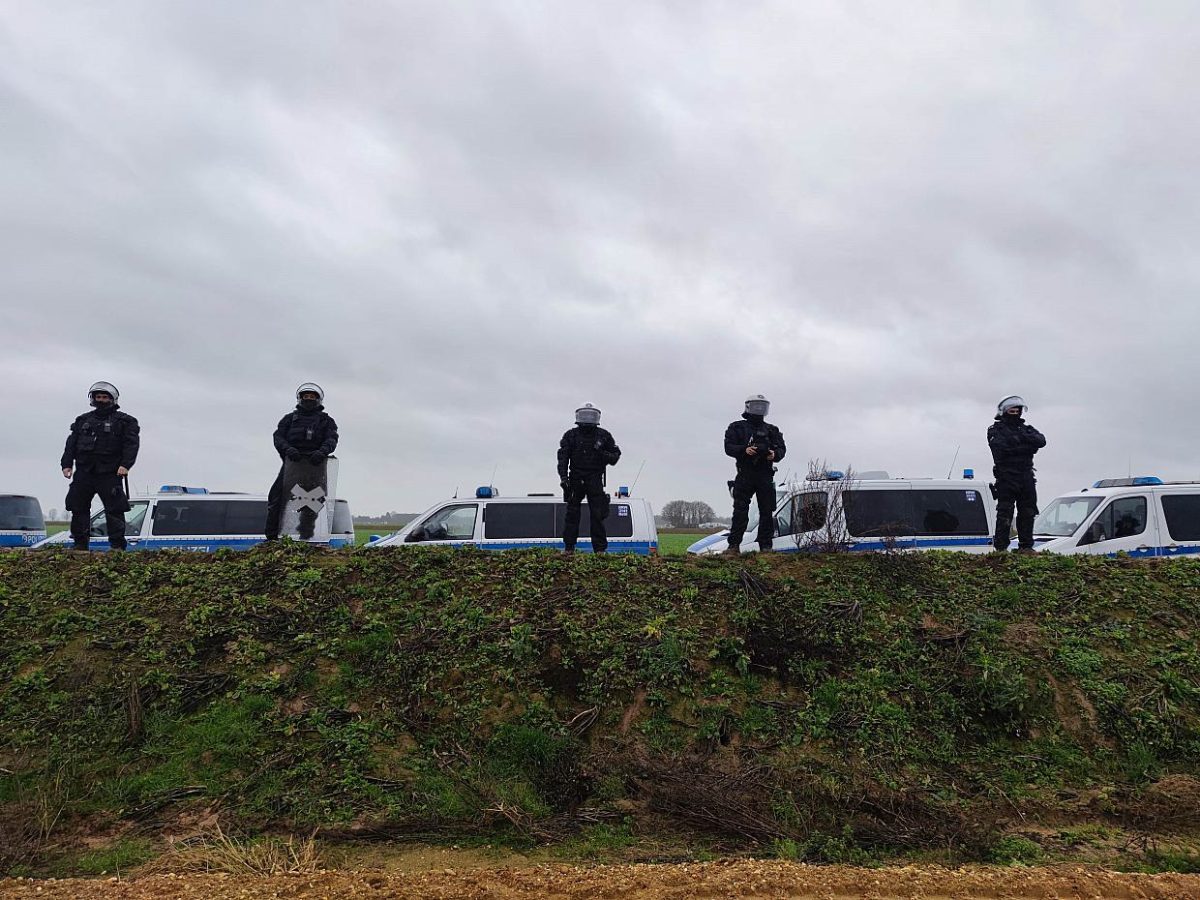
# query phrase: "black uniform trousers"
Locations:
[[592, 487], [1017, 489], [106, 485], [748, 484], [275, 505]]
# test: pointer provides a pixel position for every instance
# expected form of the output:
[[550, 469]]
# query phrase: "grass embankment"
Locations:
[[840, 708]]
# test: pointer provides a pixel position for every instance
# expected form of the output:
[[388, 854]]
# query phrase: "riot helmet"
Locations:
[[1010, 402], [757, 405], [587, 415], [309, 387], [103, 387]]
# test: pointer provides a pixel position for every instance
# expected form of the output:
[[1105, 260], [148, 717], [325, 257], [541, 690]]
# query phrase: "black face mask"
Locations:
[[308, 405], [104, 409]]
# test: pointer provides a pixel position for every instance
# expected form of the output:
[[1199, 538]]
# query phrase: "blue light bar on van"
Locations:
[[486, 492], [623, 491], [968, 474], [1140, 481], [181, 489]]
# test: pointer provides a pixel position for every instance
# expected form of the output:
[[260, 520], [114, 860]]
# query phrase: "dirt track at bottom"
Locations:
[[734, 879]]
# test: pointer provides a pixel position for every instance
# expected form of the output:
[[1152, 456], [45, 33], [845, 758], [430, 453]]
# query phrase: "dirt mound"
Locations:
[[740, 879], [827, 708]]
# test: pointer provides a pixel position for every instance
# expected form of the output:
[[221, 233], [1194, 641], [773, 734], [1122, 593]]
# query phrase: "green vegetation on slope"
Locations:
[[828, 707]]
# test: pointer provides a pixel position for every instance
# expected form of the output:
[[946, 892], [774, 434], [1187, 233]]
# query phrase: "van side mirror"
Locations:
[[415, 536], [1094, 535]]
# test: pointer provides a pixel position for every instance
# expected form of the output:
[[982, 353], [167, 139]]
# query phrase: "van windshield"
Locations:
[[1064, 516], [20, 514]]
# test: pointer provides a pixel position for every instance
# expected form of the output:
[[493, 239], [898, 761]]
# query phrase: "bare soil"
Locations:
[[733, 879]]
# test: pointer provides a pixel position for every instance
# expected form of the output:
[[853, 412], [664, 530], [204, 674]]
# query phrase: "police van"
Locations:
[[1143, 516], [191, 518], [873, 512], [491, 522], [21, 522]]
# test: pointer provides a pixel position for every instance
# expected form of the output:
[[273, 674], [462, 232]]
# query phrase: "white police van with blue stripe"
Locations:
[[874, 512], [1143, 516], [491, 522], [21, 522], [190, 518]]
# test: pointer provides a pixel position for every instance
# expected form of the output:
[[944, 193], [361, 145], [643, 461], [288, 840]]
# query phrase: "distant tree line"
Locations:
[[687, 513]]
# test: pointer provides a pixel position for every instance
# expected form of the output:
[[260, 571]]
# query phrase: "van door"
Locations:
[[1180, 534], [509, 524], [800, 523], [135, 517], [451, 525], [1125, 524], [879, 518]]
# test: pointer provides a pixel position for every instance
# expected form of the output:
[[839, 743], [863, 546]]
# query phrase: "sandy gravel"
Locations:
[[736, 879]]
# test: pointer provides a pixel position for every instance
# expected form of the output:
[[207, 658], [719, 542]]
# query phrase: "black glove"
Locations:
[[293, 454], [316, 457], [566, 486]]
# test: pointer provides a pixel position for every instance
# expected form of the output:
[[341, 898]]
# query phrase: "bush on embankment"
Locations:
[[827, 706]]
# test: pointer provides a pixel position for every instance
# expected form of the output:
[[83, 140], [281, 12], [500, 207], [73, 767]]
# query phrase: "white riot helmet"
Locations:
[[103, 387], [1009, 402], [314, 388], [757, 405], [587, 415]]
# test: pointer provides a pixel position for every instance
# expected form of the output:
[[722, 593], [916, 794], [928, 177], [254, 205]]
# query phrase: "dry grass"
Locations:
[[220, 852]]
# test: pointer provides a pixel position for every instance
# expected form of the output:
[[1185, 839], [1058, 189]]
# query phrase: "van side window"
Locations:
[[518, 520], [209, 517], [1182, 512], [133, 521], [618, 523], [948, 512], [811, 512], [878, 513], [245, 517], [1124, 517], [452, 523]]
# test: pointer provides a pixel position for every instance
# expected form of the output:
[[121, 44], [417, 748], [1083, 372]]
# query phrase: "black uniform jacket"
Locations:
[[762, 434], [1013, 444], [306, 431], [586, 450], [102, 440]]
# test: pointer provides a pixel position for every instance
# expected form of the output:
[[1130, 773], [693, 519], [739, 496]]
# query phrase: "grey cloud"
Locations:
[[466, 223]]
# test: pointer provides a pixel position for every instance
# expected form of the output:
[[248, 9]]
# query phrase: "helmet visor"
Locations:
[[587, 415], [758, 407], [1012, 402]]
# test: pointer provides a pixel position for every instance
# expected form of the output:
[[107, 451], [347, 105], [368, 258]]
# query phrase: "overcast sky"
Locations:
[[466, 219]]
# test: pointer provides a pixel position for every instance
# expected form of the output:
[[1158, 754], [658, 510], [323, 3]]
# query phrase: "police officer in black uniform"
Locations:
[[583, 454], [101, 449], [756, 445], [1013, 445], [306, 433]]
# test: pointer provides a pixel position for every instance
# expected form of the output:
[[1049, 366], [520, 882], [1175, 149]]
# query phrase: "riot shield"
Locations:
[[308, 494]]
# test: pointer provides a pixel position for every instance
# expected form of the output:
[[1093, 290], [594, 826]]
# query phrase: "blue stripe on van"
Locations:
[[641, 548], [200, 545], [20, 538], [857, 546]]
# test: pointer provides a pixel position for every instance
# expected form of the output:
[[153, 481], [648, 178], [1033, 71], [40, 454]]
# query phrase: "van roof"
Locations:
[[876, 483], [526, 498], [1134, 488]]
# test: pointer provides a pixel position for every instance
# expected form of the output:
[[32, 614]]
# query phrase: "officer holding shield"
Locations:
[[583, 455], [308, 433], [100, 450]]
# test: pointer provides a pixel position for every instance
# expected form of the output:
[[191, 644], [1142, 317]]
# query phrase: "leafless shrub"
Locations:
[[817, 511]]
